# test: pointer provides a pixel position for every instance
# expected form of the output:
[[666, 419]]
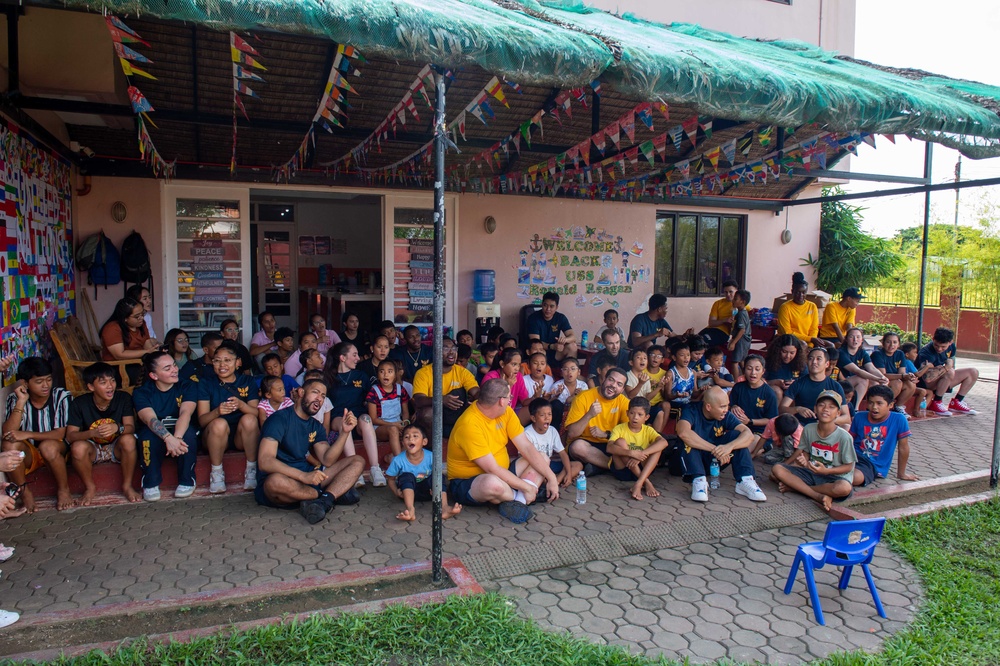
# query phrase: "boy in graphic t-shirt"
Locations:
[[877, 434]]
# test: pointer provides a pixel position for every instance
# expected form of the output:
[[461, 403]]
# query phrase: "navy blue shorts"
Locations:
[[813, 479], [422, 489], [624, 474], [458, 492], [867, 470]]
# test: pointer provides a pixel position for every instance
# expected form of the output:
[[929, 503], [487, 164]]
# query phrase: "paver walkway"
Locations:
[[86, 557]]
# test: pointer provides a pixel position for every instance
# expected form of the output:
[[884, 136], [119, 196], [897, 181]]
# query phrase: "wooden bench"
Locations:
[[77, 352]]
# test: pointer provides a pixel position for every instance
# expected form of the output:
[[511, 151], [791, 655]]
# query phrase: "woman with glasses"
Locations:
[[177, 343], [231, 331], [124, 335]]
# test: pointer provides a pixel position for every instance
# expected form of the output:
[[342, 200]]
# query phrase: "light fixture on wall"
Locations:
[[786, 235], [118, 212], [490, 223]]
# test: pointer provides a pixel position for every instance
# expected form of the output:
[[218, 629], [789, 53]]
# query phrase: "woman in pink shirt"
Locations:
[[507, 366], [325, 340]]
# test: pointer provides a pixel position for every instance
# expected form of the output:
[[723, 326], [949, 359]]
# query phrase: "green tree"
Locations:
[[848, 256]]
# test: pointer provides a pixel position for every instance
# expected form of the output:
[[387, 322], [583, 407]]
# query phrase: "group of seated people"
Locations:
[[298, 428]]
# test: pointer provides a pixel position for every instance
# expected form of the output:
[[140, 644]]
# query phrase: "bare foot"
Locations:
[[907, 477], [782, 488], [28, 500], [651, 491], [130, 494], [406, 515], [827, 503], [64, 500], [86, 498], [637, 491], [14, 514], [447, 513]]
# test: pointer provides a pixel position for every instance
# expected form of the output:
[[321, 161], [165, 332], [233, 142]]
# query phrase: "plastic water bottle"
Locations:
[[713, 475], [584, 337], [923, 407], [581, 488]]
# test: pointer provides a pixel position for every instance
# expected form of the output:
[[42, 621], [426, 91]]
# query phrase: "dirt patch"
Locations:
[[904, 500], [173, 617]]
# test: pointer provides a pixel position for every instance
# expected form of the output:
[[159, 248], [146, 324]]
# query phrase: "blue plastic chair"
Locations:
[[847, 543]]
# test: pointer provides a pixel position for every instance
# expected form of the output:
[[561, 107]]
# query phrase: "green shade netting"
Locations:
[[565, 44]]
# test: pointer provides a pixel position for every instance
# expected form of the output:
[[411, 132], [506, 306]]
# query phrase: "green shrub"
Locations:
[[879, 328]]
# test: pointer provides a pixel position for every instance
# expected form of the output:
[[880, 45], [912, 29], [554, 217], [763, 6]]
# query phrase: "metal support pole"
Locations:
[[437, 428], [928, 154], [995, 465]]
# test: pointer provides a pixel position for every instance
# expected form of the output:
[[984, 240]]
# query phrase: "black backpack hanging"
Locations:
[[135, 266]]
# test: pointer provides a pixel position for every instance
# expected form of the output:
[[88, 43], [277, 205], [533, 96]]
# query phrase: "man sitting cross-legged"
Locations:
[[709, 431], [101, 428], [939, 353], [285, 479], [36, 425], [877, 433], [478, 463]]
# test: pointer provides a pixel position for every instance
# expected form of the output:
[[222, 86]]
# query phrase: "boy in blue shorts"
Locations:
[[635, 449], [546, 441], [409, 475], [877, 434]]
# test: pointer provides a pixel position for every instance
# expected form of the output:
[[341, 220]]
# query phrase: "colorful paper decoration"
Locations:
[[242, 54]]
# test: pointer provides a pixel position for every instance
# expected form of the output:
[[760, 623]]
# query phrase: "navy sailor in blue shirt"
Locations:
[[552, 328], [286, 480]]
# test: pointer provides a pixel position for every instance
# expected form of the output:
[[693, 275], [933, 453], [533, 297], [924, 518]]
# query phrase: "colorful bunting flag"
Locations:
[[125, 52], [663, 108], [644, 112], [677, 136], [596, 85], [130, 70], [713, 157], [764, 136], [745, 143], [691, 129], [613, 132], [240, 44], [494, 88], [706, 127], [729, 151], [241, 72], [139, 102], [627, 123], [648, 149]]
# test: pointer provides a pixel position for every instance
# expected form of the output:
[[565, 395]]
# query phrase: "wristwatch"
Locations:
[[121, 430]]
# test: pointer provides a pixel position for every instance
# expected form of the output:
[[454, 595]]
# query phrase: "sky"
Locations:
[[955, 39]]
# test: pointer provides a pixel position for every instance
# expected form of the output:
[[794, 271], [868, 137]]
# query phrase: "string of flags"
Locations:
[[244, 63], [422, 85], [331, 107], [121, 36]]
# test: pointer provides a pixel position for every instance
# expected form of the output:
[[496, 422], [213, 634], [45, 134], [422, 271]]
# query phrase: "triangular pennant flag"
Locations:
[[581, 96], [340, 82], [613, 132], [685, 168], [706, 127], [245, 58], [410, 105], [134, 71], [350, 52], [891, 137], [516, 140], [648, 151], [121, 32], [821, 159], [698, 165], [596, 85], [123, 51], [513, 85], [496, 89], [113, 20], [485, 106], [240, 44], [241, 87], [691, 129], [644, 112], [713, 157], [663, 108], [745, 143], [627, 123], [563, 99], [869, 139], [573, 155], [239, 105], [526, 133], [599, 142], [632, 154], [555, 114], [764, 136], [139, 103], [584, 147], [660, 143], [677, 136], [729, 151], [241, 72]]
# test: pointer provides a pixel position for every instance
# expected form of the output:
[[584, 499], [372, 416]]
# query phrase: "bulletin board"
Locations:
[[37, 285]]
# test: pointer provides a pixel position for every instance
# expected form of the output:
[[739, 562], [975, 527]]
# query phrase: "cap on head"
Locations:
[[830, 395]]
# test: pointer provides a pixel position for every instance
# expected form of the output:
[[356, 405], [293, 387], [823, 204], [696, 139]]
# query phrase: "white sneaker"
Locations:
[[748, 488], [217, 481], [250, 476], [360, 483], [151, 494], [183, 491], [8, 618], [699, 489], [378, 478]]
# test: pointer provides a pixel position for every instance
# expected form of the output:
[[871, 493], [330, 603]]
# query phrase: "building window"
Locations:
[[695, 253]]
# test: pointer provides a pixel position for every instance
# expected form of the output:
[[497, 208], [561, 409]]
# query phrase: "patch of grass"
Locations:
[[482, 629], [957, 552]]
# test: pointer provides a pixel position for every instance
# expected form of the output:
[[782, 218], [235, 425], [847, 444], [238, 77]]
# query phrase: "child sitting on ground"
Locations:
[[537, 384], [272, 398], [637, 382], [487, 352], [635, 449], [658, 380], [877, 433], [273, 367], [848, 389], [779, 440], [407, 386], [911, 351], [534, 347], [680, 378], [311, 359], [465, 358], [546, 440], [409, 475], [822, 467], [720, 375], [570, 385], [388, 406]]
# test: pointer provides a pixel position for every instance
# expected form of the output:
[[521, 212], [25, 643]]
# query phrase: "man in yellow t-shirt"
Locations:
[[458, 387], [478, 462], [720, 319], [838, 317], [592, 416]]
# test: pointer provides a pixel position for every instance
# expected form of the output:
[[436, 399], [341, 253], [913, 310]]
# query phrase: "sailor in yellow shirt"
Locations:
[[458, 387], [635, 449], [800, 317], [839, 317], [720, 319], [593, 415], [478, 463]]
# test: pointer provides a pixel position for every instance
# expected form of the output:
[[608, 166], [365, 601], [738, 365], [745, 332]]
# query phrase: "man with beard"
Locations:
[[458, 389], [592, 416], [285, 479]]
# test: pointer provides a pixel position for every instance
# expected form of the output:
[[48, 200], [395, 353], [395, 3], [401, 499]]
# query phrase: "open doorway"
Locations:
[[316, 252]]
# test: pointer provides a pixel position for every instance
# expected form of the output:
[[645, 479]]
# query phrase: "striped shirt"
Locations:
[[53, 415]]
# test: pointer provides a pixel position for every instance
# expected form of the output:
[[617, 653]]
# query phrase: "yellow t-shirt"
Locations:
[[637, 441], [457, 377], [655, 397], [612, 413], [475, 435], [835, 313], [802, 321], [722, 309]]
